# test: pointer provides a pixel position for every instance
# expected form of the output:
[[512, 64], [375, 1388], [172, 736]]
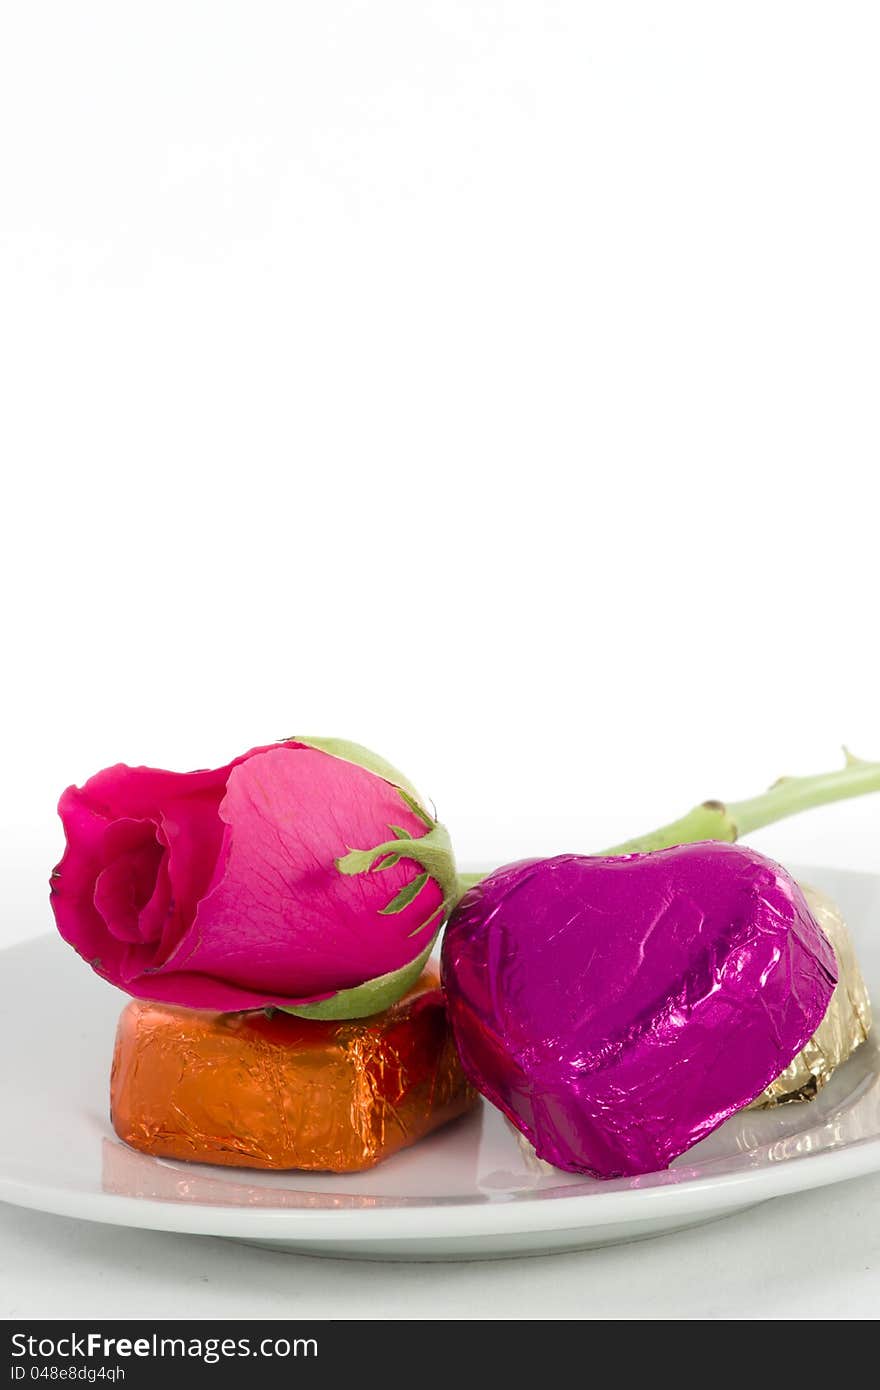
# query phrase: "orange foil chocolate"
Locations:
[[258, 1090]]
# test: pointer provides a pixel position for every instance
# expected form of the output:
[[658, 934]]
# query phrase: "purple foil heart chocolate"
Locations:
[[620, 1009]]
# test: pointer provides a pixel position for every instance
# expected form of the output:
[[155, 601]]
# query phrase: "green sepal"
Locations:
[[433, 852], [417, 808], [372, 997], [441, 911], [408, 893], [388, 863]]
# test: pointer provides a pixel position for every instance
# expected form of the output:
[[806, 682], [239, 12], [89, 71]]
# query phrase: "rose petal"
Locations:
[[282, 920], [128, 882], [73, 884], [136, 793], [155, 915], [193, 831]]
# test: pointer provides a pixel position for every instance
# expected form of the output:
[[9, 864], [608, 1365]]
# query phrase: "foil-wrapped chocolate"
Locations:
[[847, 1021], [619, 1009], [258, 1090]]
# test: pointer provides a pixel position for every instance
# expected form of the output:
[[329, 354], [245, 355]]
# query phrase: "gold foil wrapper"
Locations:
[[845, 1026], [258, 1090]]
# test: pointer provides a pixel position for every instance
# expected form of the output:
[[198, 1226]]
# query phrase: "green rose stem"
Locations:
[[718, 820]]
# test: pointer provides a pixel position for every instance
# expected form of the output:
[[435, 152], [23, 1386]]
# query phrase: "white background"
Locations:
[[492, 383]]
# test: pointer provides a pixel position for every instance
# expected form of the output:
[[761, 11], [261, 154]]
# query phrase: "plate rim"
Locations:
[[453, 1219], [456, 1219]]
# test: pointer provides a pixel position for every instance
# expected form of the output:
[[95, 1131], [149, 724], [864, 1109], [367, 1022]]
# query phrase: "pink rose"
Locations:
[[297, 871]]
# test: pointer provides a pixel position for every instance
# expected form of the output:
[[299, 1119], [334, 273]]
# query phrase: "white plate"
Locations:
[[465, 1193]]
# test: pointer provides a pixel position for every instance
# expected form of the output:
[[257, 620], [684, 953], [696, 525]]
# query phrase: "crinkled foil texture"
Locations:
[[846, 1024], [620, 1009], [257, 1090]]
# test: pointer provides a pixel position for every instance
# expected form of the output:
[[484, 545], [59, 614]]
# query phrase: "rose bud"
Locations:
[[248, 886]]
